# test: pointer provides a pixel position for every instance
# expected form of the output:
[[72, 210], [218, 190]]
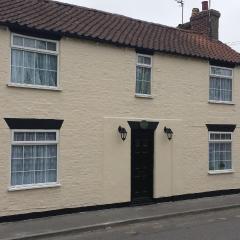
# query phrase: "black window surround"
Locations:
[[221, 127], [144, 51], [221, 64], [32, 123], [35, 33], [137, 125]]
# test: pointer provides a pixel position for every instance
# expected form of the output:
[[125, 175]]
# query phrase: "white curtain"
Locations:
[[143, 85], [34, 164], [34, 68], [220, 89]]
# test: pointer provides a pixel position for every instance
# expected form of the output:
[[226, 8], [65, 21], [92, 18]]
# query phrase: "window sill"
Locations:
[[221, 102], [30, 187], [34, 87], [220, 172], [143, 96]]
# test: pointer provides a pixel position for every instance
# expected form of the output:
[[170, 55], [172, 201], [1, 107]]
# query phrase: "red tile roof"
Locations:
[[74, 21]]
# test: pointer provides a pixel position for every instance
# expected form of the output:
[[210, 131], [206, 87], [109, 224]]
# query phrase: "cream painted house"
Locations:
[[100, 109]]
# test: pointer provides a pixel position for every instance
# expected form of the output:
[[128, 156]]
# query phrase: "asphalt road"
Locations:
[[221, 225]]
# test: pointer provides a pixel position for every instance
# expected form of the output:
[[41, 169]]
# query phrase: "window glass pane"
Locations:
[[51, 163], [28, 76], [39, 177], [40, 164], [52, 62], [29, 164], [41, 151], [51, 46], [228, 164], [41, 44], [212, 136], [29, 152], [17, 152], [51, 157], [17, 165], [228, 147], [30, 136], [17, 58], [139, 73], [50, 136], [17, 75], [211, 166], [51, 78], [29, 59], [147, 74], [144, 60], [221, 71], [146, 87], [40, 77], [41, 61], [28, 42], [17, 40], [40, 136], [19, 136], [28, 177], [51, 176], [139, 87], [214, 89], [52, 151], [17, 178]]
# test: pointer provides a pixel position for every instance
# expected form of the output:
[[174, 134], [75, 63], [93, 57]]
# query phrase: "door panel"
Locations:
[[142, 165]]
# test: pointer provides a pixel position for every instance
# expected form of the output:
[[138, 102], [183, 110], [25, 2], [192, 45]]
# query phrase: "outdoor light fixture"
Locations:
[[169, 133], [122, 132]]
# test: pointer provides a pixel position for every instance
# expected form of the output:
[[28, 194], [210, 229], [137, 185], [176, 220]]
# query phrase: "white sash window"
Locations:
[[34, 157], [34, 62], [221, 81]]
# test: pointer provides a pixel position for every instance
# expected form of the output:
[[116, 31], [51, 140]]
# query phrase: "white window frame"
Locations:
[[213, 172], [221, 76], [37, 185], [56, 53], [141, 95]]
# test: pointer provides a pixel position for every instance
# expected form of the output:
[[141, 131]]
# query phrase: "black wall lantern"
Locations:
[[169, 133], [122, 132]]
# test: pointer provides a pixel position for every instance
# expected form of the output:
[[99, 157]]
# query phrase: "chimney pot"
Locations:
[[195, 11], [205, 5]]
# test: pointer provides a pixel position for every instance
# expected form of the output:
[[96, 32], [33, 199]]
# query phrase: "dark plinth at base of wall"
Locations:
[[58, 212]]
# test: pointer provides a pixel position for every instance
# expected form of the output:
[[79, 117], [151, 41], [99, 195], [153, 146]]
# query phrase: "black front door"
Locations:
[[142, 165]]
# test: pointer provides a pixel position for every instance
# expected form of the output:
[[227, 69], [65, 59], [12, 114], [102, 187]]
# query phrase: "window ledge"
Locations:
[[36, 186], [34, 87], [221, 102], [220, 172], [143, 96]]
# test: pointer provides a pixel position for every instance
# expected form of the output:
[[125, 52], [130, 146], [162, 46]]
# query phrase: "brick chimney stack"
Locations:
[[204, 22]]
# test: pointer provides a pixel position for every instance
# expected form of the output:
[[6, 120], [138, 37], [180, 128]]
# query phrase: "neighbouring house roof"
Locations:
[[62, 19]]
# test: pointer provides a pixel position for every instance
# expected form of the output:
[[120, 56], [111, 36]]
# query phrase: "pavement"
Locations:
[[95, 220], [220, 225]]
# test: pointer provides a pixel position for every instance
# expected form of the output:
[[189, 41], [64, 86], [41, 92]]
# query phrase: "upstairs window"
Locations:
[[34, 61], [220, 89], [143, 74], [220, 151]]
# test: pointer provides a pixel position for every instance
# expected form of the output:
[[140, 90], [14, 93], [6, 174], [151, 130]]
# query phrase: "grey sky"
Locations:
[[168, 12]]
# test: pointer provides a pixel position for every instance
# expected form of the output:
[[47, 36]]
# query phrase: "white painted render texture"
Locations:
[[97, 83]]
